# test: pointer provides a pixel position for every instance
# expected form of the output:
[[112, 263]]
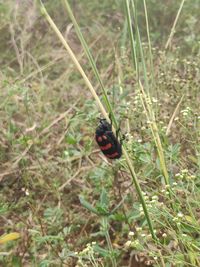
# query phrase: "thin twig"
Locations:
[[173, 116], [74, 176], [174, 25], [59, 118]]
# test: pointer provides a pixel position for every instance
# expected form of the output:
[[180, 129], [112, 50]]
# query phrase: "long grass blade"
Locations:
[[91, 60], [101, 107]]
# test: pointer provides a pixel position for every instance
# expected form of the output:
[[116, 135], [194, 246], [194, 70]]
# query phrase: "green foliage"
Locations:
[[70, 205]]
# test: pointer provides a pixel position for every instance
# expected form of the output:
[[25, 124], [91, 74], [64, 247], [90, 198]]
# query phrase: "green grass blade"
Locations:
[[91, 60], [132, 40]]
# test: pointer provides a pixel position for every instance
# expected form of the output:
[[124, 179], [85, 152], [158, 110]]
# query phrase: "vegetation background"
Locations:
[[62, 202]]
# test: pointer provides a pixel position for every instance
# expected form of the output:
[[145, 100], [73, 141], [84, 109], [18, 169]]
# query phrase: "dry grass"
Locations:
[[48, 157]]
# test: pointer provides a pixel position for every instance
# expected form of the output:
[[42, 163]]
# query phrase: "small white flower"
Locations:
[[154, 100], [84, 251], [136, 242], [155, 197], [175, 219], [127, 244], [131, 233], [164, 235], [180, 215], [27, 192]]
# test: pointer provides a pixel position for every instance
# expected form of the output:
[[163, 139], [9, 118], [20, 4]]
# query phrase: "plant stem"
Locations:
[[139, 191], [101, 107], [174, 25], [105, 230]]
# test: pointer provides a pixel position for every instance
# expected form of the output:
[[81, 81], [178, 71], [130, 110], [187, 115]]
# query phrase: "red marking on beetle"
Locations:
[[99, 139], [112, 156], [106, 147], [104, 137]]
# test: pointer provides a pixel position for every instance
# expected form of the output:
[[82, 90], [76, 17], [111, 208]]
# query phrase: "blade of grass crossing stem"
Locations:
[[154, 129], [101, 107], [120, 83], [74, 59], [174, 25], [133, 43], [149, 43], [147, 107], [91, 60], [134, 10], [153, 83], [123, 42], [105, 223], [139, 191], [124, 37]]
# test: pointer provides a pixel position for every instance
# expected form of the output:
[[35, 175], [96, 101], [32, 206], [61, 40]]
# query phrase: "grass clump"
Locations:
[[62, 202]]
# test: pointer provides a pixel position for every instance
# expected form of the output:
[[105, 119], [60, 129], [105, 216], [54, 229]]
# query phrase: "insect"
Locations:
[[108, 143]]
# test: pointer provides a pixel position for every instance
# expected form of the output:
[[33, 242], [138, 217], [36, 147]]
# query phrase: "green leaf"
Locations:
[[102, 210], [70, 139], [146, 158], [103, 252], [104, 200], [16, 261], [118, 205], [87, 205], [44, 263]]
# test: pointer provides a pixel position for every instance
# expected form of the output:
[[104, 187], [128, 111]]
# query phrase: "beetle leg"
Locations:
[[122, 138], [117, 132], [110, 117]]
